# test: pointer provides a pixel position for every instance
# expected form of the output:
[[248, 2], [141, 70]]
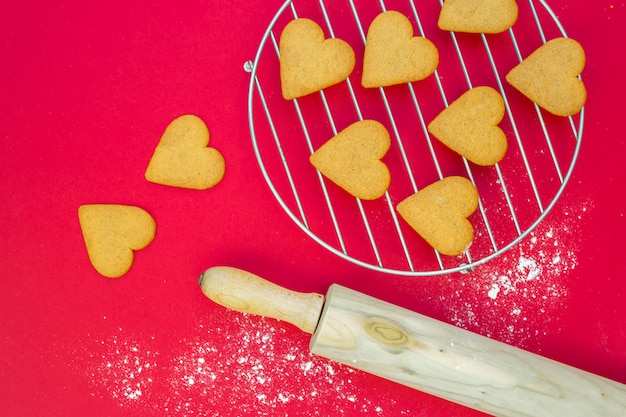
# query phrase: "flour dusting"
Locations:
[[251, 368], [514, 297], [124, 367], [255, 370]]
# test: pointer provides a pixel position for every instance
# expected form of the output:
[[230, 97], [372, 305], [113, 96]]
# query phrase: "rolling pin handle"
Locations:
[[245, 292]]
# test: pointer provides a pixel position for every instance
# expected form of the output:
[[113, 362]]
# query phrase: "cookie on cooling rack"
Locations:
[[309, 62], [549, 77], [478, 16], [469, 126], [439, 212], [393, 55], [352, 159]]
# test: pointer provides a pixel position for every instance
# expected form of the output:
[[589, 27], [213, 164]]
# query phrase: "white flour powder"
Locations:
[[124, 368], [514, 297], [254, 370]]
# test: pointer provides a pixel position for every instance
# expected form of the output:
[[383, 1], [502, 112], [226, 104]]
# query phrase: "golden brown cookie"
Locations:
[[439, 212], [352, 159], [393, 55], [309, 62], [183, 159], [469, 126], [549, 77], [478, 16], [112, 233]]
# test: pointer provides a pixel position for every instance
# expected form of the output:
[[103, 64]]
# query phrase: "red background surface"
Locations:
[[87, 89]]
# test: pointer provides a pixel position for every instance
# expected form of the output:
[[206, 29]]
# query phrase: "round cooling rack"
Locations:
[[515, 195]]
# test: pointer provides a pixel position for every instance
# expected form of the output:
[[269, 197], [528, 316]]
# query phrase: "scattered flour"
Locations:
[[251, 368], [257, 372], [514, 297], [124, 368]]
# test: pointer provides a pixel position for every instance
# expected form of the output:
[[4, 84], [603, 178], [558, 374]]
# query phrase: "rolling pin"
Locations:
[[417, 351]]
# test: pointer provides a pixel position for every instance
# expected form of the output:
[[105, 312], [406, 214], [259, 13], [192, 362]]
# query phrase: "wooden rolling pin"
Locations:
[[422, 353]]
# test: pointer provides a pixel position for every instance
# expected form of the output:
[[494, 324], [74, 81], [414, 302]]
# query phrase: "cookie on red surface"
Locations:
[[183, 158], [112, 232]]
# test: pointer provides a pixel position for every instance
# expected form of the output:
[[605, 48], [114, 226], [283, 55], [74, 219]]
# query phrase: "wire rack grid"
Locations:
[[515, 195]]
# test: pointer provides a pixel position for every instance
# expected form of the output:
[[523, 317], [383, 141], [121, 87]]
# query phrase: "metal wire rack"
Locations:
[[515, 195]]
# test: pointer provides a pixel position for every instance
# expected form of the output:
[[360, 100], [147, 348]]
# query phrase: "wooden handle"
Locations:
[[245, 292]]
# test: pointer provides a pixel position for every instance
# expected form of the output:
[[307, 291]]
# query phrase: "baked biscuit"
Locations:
[[393, 55], [309, 62], [469, 126], [439, 212], [183, 159], [549, 77], [112, 232], [478, 16], [352, 159]]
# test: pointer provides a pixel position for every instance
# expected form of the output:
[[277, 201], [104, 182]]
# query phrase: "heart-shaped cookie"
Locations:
[[478, 16], [549, 77], [393, 55], [352, 159], [309, 62], [112, 233], [439, 212], [182, 158], [469, 126]]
